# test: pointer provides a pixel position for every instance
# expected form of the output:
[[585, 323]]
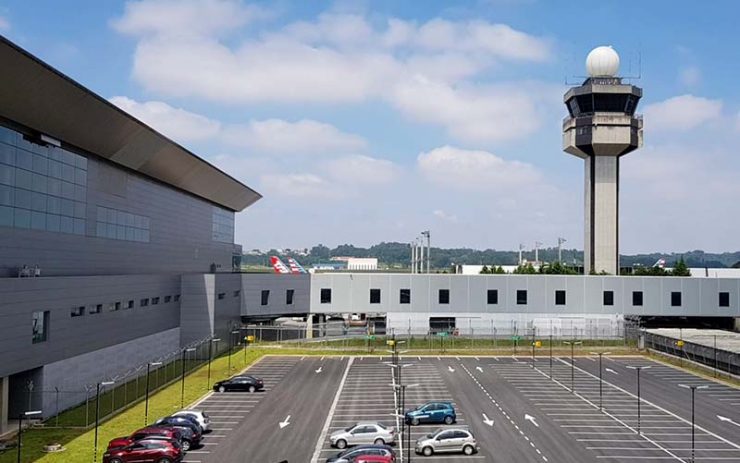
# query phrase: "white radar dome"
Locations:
[[602, 62]]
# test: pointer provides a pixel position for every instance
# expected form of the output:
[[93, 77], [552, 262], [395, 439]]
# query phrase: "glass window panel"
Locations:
[[22, 218], [22, 142], [68, 208], [111, 216], [80, 226], [129, 219], [53, 222], [145, 223], [80, 177], [145, 237], [53, 205], [100, 229], [55, 169], [7, 135], [54, 187], [130, 234], [68, 173], [42, 150], [38, 220], [23, 199], [68, 158], [7, 154], [38, 202], [7, 175], [80, 193], [100, 214], [6, 216], [138, 234], [66, 224], [80, 210], [23, 179], [39, 183], [55, 154], [6, 195], [68, 190], [23, 159], [110, 231], [40, 165], [120, 232], [81, 162]]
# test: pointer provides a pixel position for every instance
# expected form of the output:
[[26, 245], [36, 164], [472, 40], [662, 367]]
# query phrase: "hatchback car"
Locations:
[[200, 416], [363, 433], [432, 412], [240, 383], [153, 432], [146, 450], [362, 450], [447, 441]]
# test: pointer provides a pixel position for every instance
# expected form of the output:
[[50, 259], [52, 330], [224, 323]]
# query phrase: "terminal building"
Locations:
[[117, 247]]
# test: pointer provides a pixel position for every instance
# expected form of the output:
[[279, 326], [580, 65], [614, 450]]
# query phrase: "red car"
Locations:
[[144, 433], [146, 451], [375, 459]]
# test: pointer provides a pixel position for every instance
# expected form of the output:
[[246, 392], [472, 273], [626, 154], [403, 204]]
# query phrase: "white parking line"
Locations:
[[324, 431]]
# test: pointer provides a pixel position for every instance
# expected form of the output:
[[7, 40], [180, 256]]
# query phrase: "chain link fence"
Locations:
[[717, 359]]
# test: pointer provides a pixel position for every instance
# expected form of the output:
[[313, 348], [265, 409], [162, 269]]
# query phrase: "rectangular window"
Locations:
[[237, 293], [608, 297], [144, 302], [221, 295], [77, 311], [444, 296], [115, 224], [167, 299], [95, 309], [637, 298], [265, 297], [326, 295], [521, 297], [492, 296], [724, 299], [405, 296], [40, 326], [177, 298], [112, 307], [560, 297], [675, 299], [130, 305], [155, 300], [289, 296], [375, 296]]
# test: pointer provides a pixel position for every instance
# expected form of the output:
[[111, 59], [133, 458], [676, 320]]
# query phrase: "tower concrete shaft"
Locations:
[[601, 127]]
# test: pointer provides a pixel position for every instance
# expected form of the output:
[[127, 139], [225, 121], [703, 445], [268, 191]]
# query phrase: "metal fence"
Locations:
[[717, 359]]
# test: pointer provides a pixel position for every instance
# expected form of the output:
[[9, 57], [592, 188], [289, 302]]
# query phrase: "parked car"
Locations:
[[146, 450], [363, 433], [191, 437], [240, 383], [152, 432], [432, 412], [186, 420], [373, 459], [363, 450], [445, 440], [200, 416]]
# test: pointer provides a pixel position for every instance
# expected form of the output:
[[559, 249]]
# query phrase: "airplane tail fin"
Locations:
[[278, 266], [295, 267], [660, 263]]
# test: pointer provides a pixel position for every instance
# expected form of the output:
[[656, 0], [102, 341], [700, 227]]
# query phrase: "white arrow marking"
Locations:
[[496, 359], [487, 420], [418, 358], [479, 369], [452, 370], [727, 420], [611, 371], [477, 359], [531, 418], [285, 423], [319, 370]]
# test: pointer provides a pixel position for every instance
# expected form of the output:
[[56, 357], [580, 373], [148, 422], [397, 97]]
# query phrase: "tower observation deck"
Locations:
[[600, 128]]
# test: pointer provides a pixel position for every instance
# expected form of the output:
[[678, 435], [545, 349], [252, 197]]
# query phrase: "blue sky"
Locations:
[[369, 121]]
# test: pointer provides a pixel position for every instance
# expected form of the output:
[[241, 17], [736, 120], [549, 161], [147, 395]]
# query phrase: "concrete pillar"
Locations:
[[737, 324], [309, 326], [4, 388], [601, 246]]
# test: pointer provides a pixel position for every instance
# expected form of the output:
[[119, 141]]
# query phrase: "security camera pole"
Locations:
[[601, 381], [638, 368], [693, 426], [572, 345]]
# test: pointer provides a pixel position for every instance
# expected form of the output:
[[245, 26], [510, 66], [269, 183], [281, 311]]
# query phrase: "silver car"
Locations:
[[447, 440], [363, 433]]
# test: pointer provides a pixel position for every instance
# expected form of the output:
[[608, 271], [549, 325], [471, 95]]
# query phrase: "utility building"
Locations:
[[601, 127]]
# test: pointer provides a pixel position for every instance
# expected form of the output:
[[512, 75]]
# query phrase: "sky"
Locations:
[[369, 121]]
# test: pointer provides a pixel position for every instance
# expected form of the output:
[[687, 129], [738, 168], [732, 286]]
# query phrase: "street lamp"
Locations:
[[210, 357], [182, 365], [572, 345], [20, 428], [146, 399], [601, 381], [97, 416], [693, 390], [231, 346], [402, 416], [638, 368]]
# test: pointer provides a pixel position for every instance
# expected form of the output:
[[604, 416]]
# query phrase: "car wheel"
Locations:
[[379, 441], [415, 421], [116, 460], [427, 451], [468, 450], [185, 445], [221, 389], [252, 389], [164, 460], [449, 420], [341, 443]]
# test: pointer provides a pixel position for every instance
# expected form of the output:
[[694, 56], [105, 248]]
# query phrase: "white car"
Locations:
[[200, 416]]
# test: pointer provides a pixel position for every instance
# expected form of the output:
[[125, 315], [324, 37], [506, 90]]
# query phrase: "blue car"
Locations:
[[432, 412]]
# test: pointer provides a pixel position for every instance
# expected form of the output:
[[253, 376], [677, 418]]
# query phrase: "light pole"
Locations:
[[693, 390], [20, 428], [534, 342], [182, 381], [146, 394], [97, 416], [638, 368], [210, 357], [231, 346], [572, 345], [601, 381], [402, 388]]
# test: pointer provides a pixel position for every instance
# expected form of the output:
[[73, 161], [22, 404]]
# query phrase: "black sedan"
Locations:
[[240, 383]]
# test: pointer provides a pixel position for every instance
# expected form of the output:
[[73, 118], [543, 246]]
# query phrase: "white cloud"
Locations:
[[301, 137], [475, 170], [690, 76], [176, 123], [442, 215], [359, 169], [682, 112], [300, 185]]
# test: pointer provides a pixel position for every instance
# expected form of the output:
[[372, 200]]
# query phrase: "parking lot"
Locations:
[[549, 412]]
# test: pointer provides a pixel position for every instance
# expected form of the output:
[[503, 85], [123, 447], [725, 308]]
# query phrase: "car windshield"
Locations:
[[382, 426], [349, 429]]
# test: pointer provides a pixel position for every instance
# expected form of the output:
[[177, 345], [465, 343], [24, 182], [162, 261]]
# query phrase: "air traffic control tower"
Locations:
[[601, 127]]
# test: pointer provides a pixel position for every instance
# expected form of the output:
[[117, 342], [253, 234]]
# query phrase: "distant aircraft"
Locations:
[[278, 266], [295, 267], [660, 263]]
